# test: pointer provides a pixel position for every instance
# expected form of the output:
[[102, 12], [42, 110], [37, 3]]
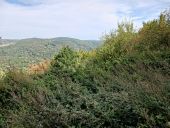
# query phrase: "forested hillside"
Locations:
[[125, 83], [21, 53]]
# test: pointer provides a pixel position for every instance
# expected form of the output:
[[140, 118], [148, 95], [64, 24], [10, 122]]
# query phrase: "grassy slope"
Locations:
[[123, 84], [33, 50]]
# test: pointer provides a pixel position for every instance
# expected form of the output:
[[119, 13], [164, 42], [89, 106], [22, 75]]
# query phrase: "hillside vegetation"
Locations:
[[21, 53], [125, 83]]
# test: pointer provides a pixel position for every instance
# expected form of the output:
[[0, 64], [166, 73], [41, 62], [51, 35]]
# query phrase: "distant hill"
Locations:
[[7, 41], [32, 50]]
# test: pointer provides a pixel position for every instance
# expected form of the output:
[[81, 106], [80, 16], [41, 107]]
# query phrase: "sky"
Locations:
[[83, 19]]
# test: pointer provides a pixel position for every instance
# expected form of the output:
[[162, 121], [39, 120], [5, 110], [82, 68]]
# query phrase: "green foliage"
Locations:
[[65, 61], [2, 73], [155, 33]]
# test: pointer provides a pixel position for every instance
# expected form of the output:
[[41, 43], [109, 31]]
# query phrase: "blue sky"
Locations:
[[83, 19], [24, 2]]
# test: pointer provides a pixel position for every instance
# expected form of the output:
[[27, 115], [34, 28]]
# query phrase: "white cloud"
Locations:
[[73, 18]]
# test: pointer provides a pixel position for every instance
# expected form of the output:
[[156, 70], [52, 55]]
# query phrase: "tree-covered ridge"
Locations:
[[23, 52], [125, 83]]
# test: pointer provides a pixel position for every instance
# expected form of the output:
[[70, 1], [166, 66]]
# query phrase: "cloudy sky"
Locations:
[[83, 19]]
